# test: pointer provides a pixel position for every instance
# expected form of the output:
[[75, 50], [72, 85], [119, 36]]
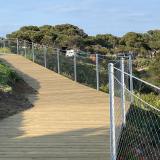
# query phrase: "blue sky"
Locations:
[[94, 16]]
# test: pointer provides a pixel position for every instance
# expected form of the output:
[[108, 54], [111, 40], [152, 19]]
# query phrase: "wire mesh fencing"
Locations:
[[86, 70], [135, 115], [66, 65], [140, 138], [134, 103], [51, 59], [8, 46]]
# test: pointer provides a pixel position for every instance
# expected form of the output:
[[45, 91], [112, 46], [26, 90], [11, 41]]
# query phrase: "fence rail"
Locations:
[[135, 122]]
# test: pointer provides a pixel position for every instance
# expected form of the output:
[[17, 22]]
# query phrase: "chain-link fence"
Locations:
[[135, 115], [88, 69], [134, 103]]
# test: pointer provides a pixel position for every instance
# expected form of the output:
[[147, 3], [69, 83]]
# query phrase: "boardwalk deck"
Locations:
[[69, 121]]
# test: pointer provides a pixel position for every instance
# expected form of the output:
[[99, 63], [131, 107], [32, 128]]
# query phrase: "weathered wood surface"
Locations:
[[69, 121]]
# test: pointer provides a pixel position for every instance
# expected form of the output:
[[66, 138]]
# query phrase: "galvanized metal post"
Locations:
[[25, 47], [97, 71], [45, 57], [4, 46], [17, 46], [9, 44], [58, 67], [123, 93], [112, 115], [75, 67], [131, 78], [33, 56]]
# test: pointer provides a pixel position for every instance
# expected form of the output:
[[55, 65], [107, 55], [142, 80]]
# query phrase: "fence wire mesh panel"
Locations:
[[140, 138], [118, 110], [1, 43], [86, 70], [28, 51], [103, 71], [39, 55], [51, 59], [7, 46], [21, 48], [66, 65], [12, 46], [137, 116]]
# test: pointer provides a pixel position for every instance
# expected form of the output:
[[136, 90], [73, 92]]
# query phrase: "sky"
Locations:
[[93, 16]]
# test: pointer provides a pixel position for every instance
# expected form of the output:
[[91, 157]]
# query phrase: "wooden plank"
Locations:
[[69, 121]]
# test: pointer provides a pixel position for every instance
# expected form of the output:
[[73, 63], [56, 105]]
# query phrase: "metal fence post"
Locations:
[[9, 44], [97, 72], [75, 67], [33, 56], [25, 52], [58, 67], [45, 58], [4, 46], [112, 117], [17, 46], [131, 78], [123, 93]]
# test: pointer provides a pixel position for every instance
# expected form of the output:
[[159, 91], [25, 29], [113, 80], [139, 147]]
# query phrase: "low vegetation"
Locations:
[[12, 87], [5, 50], [8, 78]]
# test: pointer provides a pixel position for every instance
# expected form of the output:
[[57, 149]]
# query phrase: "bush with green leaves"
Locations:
[[8, 77], [151, 98], [142, 63]]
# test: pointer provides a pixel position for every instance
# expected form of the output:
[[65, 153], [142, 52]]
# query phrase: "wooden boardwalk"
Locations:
[[69, 121]]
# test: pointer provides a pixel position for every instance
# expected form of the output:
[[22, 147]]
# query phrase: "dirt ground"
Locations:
[[15, 101]]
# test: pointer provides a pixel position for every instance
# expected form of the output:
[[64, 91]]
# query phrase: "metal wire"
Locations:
[[147, 83], [139, 137], [136, 138]]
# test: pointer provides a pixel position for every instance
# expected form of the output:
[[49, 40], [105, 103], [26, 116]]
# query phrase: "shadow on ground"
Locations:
[[73, 144]]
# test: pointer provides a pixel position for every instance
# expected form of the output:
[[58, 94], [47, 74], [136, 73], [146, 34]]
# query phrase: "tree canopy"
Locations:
[[67, 35]]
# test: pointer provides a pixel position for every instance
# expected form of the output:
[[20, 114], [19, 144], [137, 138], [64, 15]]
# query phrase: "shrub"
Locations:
[[8, 77], [152, 99]]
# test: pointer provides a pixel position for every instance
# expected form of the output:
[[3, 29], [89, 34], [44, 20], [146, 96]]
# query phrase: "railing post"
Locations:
[[17, 46], [25, 52], [33, 56], [131, 78], [4, 46], [58, 67], [97, 72], [75, 67], [45, 58], [112, 117], [9, 44], [123, 93]]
